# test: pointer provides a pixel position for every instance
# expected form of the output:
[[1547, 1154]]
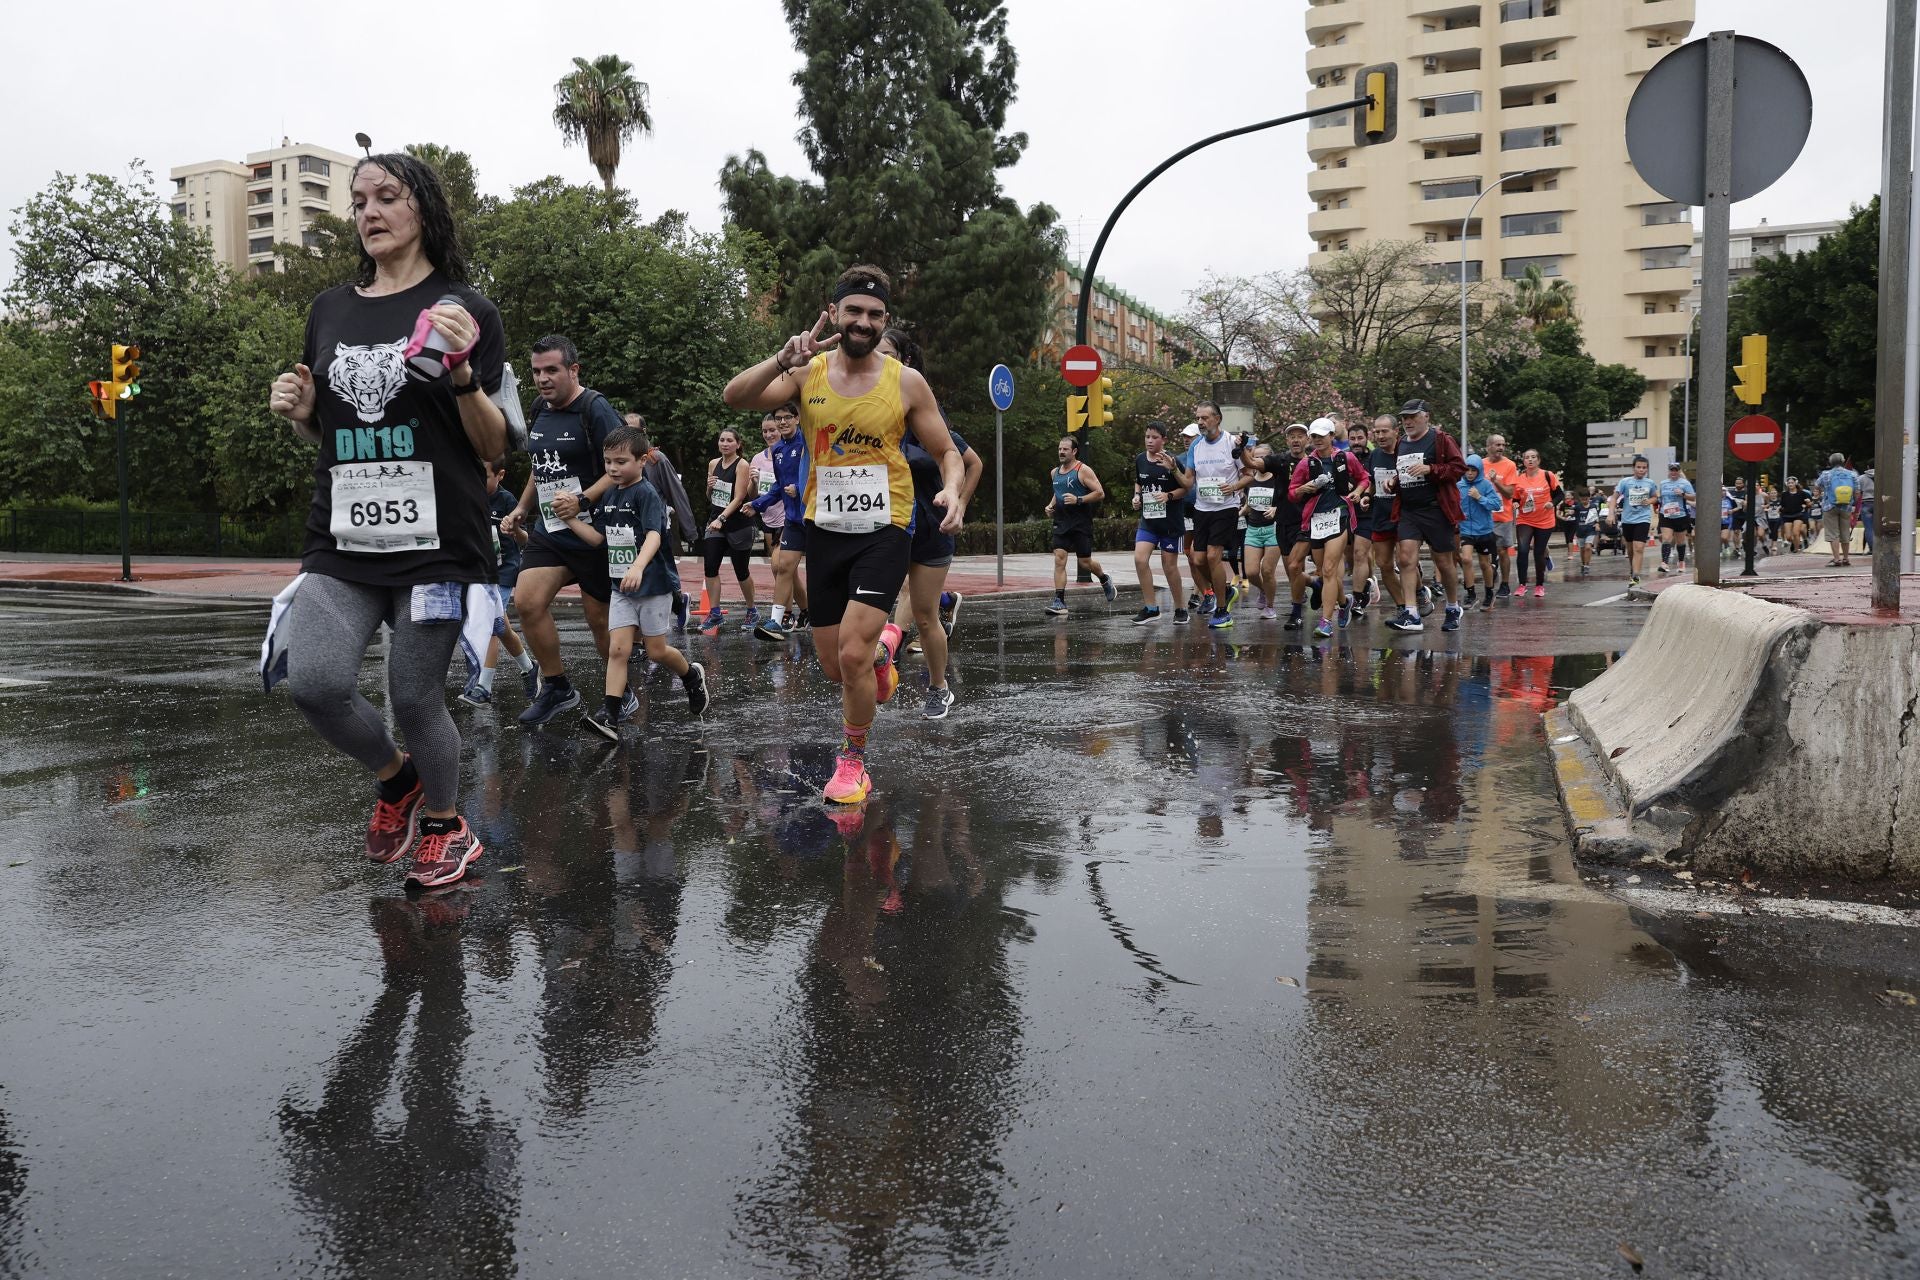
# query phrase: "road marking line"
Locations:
[[1591, 604]]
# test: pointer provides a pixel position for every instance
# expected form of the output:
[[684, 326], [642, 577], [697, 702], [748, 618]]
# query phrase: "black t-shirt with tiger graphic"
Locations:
[[400, 496]]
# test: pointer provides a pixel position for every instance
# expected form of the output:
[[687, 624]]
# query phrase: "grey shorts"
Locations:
[[652, 614], [1835, 523], [1503, 533]]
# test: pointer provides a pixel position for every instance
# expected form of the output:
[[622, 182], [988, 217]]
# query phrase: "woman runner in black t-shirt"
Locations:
[[398, 530], [730, 486]]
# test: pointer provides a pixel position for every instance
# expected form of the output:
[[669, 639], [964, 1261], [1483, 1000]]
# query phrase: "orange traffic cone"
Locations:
[[706, 606]]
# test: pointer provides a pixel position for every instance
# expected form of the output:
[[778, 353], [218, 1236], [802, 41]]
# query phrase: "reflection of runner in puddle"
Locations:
[[903, 1060], [434, 1187]]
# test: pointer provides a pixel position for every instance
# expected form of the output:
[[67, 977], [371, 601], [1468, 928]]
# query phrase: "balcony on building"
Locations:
[[1660, 322], [1434, 74], [1331, 88], [1446, 201], [315, 169], [1662, 368], [260, 221], [259, 247], [1329, 133], [1336, 52], [1443, 168], [1532, 21], [1324, 16], [1661, 280], [1445, 237], [314, 197], [1532, 147], [1334, 222], [180, 212], [1446, 116], [1660, 13], [1329, 181], [261, 174], [1446, 44]]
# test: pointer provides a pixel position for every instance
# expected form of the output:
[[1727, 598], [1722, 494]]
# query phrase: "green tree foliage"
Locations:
[[662, 316], [99, 260], [1545, 402], [601, 104], [1540, 300], [905, 103], [1820, 312]]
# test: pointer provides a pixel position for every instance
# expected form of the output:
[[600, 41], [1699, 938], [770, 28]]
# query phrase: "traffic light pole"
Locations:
[[1753, 485], [126, 536], [1100, 245]]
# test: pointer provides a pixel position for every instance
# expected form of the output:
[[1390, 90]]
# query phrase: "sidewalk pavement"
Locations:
[[1805, 580], [256, 580]]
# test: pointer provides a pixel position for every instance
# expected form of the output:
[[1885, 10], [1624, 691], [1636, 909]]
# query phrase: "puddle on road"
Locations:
[[1214, 955]]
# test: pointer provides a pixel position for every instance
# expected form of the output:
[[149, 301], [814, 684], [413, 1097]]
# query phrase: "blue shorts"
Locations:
[[793, 536], [1168, 542], [1262, 535]]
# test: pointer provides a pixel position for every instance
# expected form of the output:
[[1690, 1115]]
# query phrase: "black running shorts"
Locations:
[[585, 565], [1216, 528], [865, 567], [1428, 524], [1077, 538]]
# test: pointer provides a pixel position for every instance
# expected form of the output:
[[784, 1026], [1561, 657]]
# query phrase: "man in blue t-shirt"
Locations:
[[1632, 510], [1676, 515], [1839, 487]]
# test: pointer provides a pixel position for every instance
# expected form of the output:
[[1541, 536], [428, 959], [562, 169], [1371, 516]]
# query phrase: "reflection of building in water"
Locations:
[[1445, 905], [434, 1191], [907, 1042]]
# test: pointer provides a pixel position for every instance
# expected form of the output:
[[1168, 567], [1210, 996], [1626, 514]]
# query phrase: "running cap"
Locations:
[[1321, 427], [1301, 427], [1412, 407], [1673, 466], [1191, 429]]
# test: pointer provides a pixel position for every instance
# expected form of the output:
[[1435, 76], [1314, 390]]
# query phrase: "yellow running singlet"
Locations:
[[857, 477]]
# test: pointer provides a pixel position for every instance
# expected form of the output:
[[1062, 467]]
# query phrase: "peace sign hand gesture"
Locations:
[[803, 347]]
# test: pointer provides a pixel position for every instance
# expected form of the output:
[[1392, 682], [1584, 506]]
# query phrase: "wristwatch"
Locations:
[[473, 385]]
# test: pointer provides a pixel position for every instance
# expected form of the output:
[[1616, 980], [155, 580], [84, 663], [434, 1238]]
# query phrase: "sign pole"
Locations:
[[1896, 209], [999, 498], [1753, 483], [1710, 473]]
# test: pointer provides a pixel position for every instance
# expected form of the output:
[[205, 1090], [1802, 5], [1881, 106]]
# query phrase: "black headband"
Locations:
[[871, 288]]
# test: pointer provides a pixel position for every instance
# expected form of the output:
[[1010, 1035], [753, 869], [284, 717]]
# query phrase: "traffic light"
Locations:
[[1752, 369], [103, 394], [1378, 121], [1100, 402], [126, 371], [1076, 413]]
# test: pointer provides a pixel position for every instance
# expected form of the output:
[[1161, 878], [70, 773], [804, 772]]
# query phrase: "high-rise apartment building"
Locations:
[[1532, 87], [270, 198]]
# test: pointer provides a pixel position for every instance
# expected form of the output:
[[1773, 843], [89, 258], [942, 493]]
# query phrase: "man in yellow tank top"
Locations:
[[855, 405]]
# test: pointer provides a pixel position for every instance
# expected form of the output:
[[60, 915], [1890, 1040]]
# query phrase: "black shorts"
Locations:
[[1634, 532], [1484, 543], [793, 536], [585, 565], [1077, 538], [929, 547], [1428, 524], [1677, 524], [843, 567], [1216, 528]]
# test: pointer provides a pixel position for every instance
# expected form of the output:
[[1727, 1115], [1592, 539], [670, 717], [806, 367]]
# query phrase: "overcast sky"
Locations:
[[1107, 90]]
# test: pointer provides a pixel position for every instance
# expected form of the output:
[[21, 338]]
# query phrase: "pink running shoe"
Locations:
[[850, 783], [1540, 592]]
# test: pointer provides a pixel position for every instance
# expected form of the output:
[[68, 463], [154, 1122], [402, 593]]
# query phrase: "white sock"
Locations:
[[523, 660], [779, 614], [486, 679]]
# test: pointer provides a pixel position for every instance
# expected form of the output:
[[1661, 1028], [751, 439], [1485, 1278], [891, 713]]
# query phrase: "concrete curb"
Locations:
[[59, 585]]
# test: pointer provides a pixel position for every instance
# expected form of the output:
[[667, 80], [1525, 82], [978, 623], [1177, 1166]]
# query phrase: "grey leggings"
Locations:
[[329, 625]]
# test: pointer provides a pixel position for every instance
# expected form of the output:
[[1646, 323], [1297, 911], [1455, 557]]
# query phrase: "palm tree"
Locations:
[[1541, 302], [603, 104]]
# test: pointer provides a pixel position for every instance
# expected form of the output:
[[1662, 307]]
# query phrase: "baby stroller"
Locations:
[[1610, 539]]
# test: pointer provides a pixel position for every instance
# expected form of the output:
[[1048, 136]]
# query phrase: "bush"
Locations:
[[70, 526]]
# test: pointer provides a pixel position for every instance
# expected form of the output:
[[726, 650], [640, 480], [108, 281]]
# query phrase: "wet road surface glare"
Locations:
[[1162, 956]]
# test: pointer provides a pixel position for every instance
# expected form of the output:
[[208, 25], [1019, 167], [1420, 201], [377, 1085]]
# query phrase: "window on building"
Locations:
[[262, 173], [180, 211], [283, 171], [283, 195], [1530, 224], [179, 185], [1514, 268], [1665, 257], [1538, 136], [1448, 104], [314, 164], [1521, 10], [1663, 212], [260, 244], [1450, 189], [1449, 273], [1650, 351], [1341, 121]]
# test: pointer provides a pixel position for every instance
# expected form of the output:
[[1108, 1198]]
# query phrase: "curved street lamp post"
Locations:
[[1464, 224]]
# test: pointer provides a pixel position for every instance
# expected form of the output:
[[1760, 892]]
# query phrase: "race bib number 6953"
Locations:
[[383, 507]]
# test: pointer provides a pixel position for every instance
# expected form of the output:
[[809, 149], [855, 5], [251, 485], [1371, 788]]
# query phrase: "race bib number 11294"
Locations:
[[852, 499]]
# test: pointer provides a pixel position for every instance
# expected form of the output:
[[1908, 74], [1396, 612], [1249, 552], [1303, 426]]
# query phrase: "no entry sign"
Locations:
[[1754, 438], [1081, 365]]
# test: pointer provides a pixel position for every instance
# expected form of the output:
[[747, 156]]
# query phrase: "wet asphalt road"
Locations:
[[1162, 957]]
